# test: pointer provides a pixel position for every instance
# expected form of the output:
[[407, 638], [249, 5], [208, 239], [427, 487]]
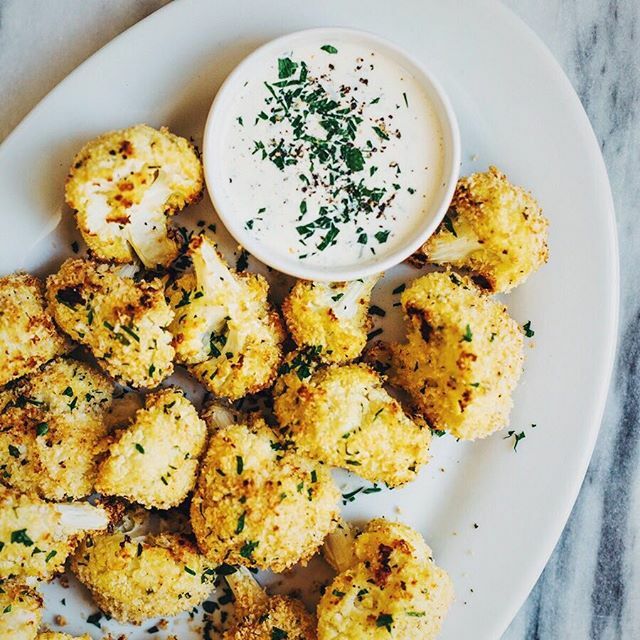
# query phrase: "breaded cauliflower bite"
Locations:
[[37, 536], [260, 503], [331, 317], [20, 611], [224, 329], [154, 460], [463, 357], [260, 617], [392, 589], [28, 335], [494, 230], [123, 321], [343, 416], [50, 427], [137, 577], [124, 184]]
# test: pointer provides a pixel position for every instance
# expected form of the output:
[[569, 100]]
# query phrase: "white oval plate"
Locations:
[[491, 515]]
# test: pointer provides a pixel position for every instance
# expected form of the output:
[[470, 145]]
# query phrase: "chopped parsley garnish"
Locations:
[[448, 225], [75, 247], [385, 620], [528, 331], [243, 260], [94, 619], [139, 447], [382, 236], [68, 392], [399, 288], [14, 452], [329, 48], [467, 336], [247, 549], [42, 428], [278, 634], [239, 464], [517, 437], [240, 525], [286, 67], [190, 571], [375, 310], [21, 537]]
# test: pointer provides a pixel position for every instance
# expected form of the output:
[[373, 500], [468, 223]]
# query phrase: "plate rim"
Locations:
[[553, 531]]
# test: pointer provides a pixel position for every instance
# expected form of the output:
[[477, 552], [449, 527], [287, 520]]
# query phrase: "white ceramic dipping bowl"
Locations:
[[224, 110]]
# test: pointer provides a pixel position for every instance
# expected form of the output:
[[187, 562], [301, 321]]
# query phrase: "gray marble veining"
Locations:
[[591, 586]]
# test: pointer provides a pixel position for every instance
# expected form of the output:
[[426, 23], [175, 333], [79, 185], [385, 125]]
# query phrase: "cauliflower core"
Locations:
[[332, 317], [36, 536], [28, 336], [224, 329], [494, 230], [20, 611], [393, 589], [50, 427], [123, 185], [154, 460], [134, 578], [121, 320], [259, 617], [342, 416], [463, 357], [260, 503]]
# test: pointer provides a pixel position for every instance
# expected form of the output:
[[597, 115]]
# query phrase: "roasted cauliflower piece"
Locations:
[[124, 184], [28, 335], [37, 536], [494, 230], [50, 427], [260, 503], [260, 617], [391, 589], [342, 416], [224, 328], [122, 321], [463, 357], [20, 611], [134, 574], [154, 460], [332, 317]]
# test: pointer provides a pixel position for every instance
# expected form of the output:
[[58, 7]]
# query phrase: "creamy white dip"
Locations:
[[333, 155]]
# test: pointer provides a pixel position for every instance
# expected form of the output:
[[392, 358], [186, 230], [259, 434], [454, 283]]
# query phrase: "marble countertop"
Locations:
[[590, 586]]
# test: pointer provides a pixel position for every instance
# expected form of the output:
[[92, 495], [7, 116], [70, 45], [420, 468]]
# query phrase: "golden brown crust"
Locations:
[[28, 335]]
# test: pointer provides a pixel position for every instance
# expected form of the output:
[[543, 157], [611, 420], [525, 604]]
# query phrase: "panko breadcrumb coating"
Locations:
[[332, 317], [36, 536], [393, 589], [494, 230], [260, 503], [28, 336], [154, 460], [260, 617], [123, 185], [121, 320], [134, 578], [50, 427], [20, 611], [224, 328], [343, 416], [463, 357]]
